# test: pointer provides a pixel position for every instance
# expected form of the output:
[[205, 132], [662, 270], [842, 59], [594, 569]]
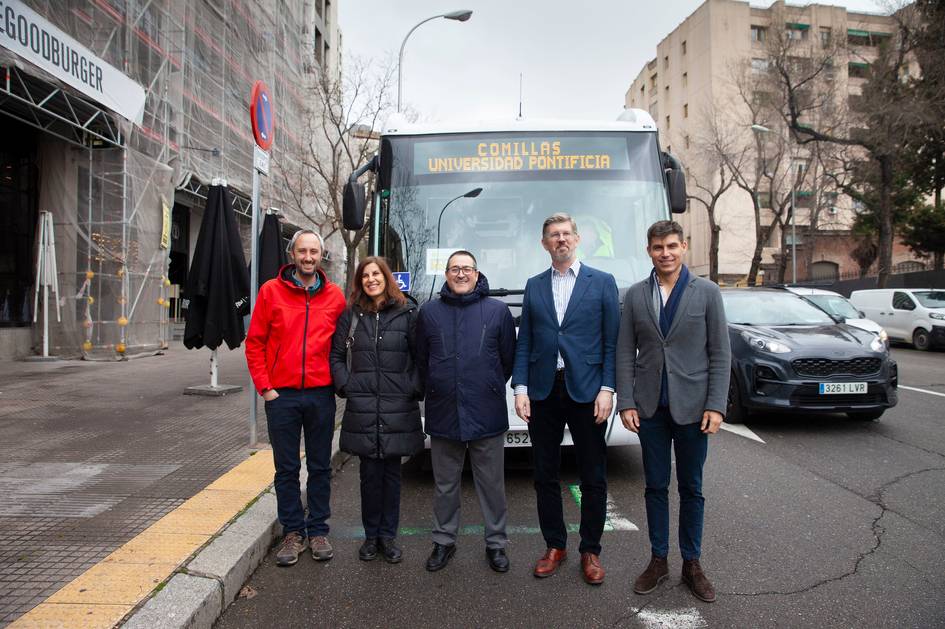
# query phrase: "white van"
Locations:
[[838, 306], [913, 315]]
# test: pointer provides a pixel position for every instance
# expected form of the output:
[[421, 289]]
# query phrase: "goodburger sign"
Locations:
[[35, 39]]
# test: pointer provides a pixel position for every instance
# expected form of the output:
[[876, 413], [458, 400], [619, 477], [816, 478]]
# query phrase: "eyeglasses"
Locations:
[[560, 235], [456, 270]]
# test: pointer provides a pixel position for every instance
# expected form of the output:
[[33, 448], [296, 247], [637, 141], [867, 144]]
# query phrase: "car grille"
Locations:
[[809, 394], [821, 367]]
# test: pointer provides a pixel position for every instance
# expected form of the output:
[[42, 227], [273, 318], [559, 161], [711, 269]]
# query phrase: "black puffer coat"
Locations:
[[382, 415]]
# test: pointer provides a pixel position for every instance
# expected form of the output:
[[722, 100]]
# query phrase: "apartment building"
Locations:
[[119, 114], [696, 73]]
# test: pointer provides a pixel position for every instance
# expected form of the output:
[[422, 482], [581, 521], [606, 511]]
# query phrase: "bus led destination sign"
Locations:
[[531, 154]]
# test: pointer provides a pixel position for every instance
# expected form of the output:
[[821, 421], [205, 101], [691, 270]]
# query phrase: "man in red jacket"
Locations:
[[287, 353]]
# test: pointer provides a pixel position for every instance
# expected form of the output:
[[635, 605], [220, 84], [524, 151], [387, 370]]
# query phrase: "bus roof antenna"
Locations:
[[521, 78]]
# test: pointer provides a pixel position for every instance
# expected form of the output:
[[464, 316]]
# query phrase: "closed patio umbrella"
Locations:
[[218, 282]]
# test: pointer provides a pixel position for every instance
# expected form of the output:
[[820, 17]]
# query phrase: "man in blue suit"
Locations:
[[565, 374]]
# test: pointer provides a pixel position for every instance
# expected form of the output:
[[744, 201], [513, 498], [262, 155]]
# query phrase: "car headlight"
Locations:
[[765, 345], [877, 344], [937, 315], [883, 336]]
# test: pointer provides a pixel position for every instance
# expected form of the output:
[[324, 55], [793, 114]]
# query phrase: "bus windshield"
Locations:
[[611, 183]]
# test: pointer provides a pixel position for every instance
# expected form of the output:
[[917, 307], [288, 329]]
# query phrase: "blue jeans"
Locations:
[[657, 435], [294, 412]]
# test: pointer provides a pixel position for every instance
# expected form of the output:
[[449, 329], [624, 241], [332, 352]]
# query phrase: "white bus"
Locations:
[[487, 188]]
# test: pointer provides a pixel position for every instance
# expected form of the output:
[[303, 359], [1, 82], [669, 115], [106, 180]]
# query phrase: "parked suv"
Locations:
[[789, 355], [913, 315]]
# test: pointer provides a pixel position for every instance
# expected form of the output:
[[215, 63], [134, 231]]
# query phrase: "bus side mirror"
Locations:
[[353, 205], [675, 183], [676, 180]]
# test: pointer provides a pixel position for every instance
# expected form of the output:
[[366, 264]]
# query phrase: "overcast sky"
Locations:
[[578, 58]]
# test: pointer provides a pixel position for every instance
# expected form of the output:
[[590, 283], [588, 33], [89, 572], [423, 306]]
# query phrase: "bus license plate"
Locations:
[[517, 439], [832, 388]]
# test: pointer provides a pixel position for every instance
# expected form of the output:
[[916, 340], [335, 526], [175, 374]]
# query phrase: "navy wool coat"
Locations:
[[465, 354], [382, 413]]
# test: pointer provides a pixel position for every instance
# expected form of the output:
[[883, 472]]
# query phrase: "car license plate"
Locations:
[[517, 439], [832, 388]]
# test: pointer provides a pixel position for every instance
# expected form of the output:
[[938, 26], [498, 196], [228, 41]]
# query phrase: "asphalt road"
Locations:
[[828, 523]]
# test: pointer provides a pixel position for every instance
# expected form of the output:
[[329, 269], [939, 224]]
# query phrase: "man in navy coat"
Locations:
[[465, 349], [565, 375]]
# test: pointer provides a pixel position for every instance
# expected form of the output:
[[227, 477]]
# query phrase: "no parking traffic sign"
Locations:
[[261, 115]]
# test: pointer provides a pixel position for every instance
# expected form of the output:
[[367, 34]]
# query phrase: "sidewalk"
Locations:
[[91, 454]]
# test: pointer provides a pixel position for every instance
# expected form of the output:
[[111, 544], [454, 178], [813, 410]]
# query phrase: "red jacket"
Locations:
[[290, 333]]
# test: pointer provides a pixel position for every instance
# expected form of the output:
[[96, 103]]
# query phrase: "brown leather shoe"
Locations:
[[590, 566], [656, 572], [549, 562], [698, 583]]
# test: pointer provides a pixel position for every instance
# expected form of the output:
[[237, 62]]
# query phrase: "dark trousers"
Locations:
[[546, 429], [380, 496], [294, 412], [658, 434]]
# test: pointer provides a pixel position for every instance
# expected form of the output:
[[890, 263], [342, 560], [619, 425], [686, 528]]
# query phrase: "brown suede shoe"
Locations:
[[549, 562], [590, 566], [698, 583], [656, 572]]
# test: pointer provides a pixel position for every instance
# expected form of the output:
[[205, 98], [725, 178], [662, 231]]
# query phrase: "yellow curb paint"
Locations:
[[113, 584], [68, 616], [102, 595], [152, 547]]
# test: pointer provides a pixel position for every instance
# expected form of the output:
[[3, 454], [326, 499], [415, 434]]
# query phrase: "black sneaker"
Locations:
[[368, 550], [390, 550], [440, 556]]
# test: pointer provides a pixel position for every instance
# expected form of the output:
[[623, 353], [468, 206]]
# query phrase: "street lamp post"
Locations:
[[459, 16], [763, 129]]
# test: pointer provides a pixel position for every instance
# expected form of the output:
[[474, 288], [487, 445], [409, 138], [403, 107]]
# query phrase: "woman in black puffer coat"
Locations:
[[381, 423]]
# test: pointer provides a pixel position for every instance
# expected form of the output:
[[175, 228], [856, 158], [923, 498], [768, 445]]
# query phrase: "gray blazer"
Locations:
[[697, 353]]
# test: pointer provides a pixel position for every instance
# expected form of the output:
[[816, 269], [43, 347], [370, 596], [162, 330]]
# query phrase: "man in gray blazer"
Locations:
[[673, 367]]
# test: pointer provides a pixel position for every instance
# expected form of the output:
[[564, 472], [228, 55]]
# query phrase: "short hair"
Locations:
[[392, 292], [299, 234], [461, 252], [662, 229], [558, 217]]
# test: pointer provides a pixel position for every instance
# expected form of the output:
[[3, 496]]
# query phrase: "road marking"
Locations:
[[613, 521], [688, 618], [922, 391], [742, 431]]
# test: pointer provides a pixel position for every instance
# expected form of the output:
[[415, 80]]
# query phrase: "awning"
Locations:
[[858, 64], [797, 26], [56, 110], [857, 33]]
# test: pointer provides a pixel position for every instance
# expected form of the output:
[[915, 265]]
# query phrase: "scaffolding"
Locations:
[[197, 62]]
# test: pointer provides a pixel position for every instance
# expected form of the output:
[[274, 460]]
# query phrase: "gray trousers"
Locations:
[[487, 458]]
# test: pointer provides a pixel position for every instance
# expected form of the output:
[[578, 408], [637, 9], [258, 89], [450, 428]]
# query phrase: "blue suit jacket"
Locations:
[[586, 338]]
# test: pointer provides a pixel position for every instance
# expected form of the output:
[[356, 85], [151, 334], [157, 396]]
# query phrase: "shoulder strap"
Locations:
[[350, 340]]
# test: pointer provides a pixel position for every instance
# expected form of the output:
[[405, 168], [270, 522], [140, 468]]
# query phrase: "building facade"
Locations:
[[700, 88], [119, 115]]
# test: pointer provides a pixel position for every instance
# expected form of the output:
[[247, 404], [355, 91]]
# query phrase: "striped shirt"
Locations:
[[562, 285]]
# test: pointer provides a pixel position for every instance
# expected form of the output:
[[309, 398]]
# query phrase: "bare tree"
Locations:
[[879, 127], [344, 117], [707, 190]]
